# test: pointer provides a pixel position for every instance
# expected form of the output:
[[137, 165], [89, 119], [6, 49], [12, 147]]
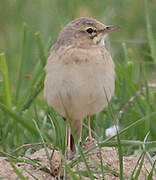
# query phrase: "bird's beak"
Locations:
[[111, 28]]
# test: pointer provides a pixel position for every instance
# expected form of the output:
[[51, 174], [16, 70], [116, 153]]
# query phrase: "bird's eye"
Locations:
[[90, 30]]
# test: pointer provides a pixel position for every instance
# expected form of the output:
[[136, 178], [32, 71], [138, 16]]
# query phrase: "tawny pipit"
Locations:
[[80, 73]]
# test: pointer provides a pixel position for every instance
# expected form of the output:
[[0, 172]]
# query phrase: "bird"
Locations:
[[80, 74]]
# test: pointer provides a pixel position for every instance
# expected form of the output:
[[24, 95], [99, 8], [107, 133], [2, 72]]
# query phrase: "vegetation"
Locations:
[[25, 116]]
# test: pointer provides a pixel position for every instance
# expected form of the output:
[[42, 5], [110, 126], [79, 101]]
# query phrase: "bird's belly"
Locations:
[[83, 90]]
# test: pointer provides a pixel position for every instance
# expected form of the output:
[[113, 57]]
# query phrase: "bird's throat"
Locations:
[[99, 39]]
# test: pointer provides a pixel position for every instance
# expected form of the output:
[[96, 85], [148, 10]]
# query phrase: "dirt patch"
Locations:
[[109, 157]]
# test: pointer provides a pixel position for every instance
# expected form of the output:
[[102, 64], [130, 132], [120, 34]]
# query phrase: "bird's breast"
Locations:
[[84, 86]]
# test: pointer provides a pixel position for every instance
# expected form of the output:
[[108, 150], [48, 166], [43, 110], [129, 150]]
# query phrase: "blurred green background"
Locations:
[[132, 48]]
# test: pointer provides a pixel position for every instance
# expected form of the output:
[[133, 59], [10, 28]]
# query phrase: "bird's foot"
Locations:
[[70, 154], [88, 143], [90, 139]]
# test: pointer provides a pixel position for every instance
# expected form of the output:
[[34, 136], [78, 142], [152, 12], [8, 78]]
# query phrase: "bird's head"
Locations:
[[85, 30]]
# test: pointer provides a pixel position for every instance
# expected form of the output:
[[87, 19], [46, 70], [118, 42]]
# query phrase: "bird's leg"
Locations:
[[89, 130], [69, 150]]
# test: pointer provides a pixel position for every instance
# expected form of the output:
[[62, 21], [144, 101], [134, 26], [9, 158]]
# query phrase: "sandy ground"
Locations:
[[109, 156]]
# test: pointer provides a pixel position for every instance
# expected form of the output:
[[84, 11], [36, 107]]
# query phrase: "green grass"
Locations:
[[24, 115]]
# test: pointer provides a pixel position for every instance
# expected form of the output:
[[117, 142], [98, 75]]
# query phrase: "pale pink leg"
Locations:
[[71, 149], [69, 152], [89, 130]]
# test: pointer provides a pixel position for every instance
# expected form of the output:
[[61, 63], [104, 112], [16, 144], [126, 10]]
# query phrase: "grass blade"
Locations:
[[120, 156], [40, 133], [6, 81], [140, 159], [40, 49], [37, 73], [59, 131], [70, 171], [106, 169], [21, 66], [150, 34], [19, 119], [17, 171], [140, 166], [110, 109], [151, 172], [33, 94], [147, 153], [101, 164]]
